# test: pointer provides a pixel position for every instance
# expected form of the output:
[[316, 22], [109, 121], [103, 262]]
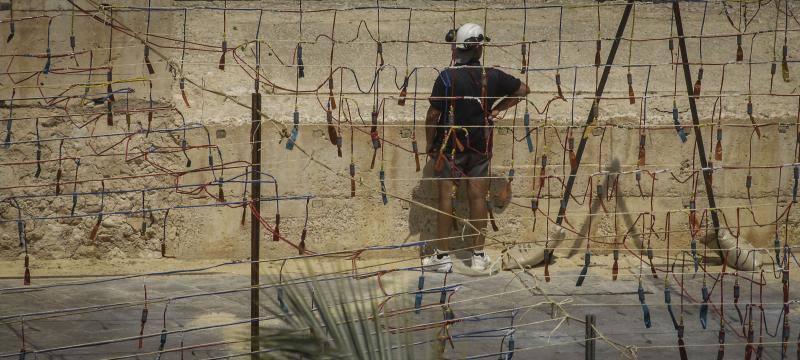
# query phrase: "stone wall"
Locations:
[[337, 221]]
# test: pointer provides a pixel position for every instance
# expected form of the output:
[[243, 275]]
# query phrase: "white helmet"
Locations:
[[468, 35]]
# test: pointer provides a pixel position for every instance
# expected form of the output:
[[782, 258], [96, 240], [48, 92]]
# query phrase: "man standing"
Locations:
[[464, 103]]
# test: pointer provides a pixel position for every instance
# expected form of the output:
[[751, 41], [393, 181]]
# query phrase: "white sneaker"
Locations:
[[436, 264], [480, 262]]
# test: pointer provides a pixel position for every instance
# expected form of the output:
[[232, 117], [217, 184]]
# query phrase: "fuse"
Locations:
[[573, 161], [772, 69], [645, 309], [352, 180], [704, 307], [403, 92], [301, 73], [718, 146], [677, 122], [709, 171], [546, 264], [382, 177], [542, 171], [74, 203], [699, 82], [276, 234], [96, 227], [681, 344], [511, 347], [586, 260], [418, 296], [668, 301], [222, 57], [109, 80], [46, 69], [184, 146], [11, 32], [749, 181], [141, 327], [380, 53], [182, 85], [26, 279], [72, 42], [750, 115], [526, 120], [693, 245], [777, 244], [302, 247], [631, 98], [331, 99], [58, 180], [415, 149], [38, 153], [295, 130], [558, 86], [162, 341], [750, 335], [376, 142], [642, 154], [721, 339], [524, 51], [615, 266], [784, 65], [220, 192], [739, 51], [147, 60], [333, 137], [649, 252], [281, 303]]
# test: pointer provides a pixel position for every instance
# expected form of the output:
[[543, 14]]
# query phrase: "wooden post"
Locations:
[[593, 112], [698, 135], [255, 226], [590, 337]]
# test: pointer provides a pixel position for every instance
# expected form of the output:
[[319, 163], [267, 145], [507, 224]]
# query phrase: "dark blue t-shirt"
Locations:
[[450, 88]]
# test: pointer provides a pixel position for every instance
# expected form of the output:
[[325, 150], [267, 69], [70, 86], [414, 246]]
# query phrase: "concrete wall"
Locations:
[[335, 220]]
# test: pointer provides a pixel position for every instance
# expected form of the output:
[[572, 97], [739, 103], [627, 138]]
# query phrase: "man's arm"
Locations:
[[431, 120], [511, 100]]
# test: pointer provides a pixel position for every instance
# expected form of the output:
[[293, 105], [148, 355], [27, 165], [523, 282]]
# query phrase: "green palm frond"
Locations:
[[338, 319]]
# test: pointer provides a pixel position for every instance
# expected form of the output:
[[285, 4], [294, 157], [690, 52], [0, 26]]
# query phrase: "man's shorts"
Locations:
[[464, 164]]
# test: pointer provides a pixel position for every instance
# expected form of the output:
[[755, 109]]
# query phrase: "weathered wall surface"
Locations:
[[335, 220]]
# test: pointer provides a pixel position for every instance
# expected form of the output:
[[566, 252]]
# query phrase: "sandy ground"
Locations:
[[207, 309]]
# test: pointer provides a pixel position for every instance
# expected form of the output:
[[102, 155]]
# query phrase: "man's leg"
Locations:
[[444, 220], [477, 188]]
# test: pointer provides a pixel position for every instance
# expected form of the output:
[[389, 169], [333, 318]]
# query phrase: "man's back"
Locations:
[[461, 87]]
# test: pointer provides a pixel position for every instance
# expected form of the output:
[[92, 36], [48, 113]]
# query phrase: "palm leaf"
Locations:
[[346, 322]]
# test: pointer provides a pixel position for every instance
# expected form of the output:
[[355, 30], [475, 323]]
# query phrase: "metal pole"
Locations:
[[593, 112], [698, 135], [255, 230]]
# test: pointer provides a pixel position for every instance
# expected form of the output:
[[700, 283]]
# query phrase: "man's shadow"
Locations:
[[422, 221]]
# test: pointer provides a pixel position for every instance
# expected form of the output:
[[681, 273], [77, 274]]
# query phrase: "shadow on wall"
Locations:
[[621, 206], [422, 222]]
